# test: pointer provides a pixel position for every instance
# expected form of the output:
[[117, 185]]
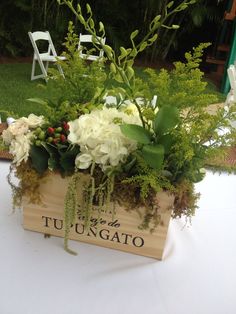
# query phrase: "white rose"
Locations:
[[33, 121], [20, 148], [19, 127]]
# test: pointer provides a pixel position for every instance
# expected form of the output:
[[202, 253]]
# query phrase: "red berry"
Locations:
[[63, 138], [50, 130], [65, 126], [55, 141]]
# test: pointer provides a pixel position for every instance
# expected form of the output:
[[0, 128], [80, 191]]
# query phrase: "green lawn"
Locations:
[[16, 87]]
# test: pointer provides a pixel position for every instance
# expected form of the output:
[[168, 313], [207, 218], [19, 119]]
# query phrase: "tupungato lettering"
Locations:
[[100, 232]]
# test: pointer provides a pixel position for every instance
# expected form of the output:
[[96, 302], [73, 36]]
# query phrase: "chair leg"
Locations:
[[44, 72], [33, 70]]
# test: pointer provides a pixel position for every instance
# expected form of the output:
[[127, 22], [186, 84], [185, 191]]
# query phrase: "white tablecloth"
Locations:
[[197, 275]]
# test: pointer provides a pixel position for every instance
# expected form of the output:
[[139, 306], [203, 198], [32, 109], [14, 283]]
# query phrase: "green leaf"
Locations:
[[134, 34], [118, 78], [136, 132], [101, 27], [67, 160], [166, 119], [166, 141], [108, 50], [38, 101], [123, 53], [39, 158], [91, 23], [170, 4], [153, 155], [112, 68], [134, 52], [174, 26], [143, 46], [53, 161], [152, 39], [88, 8], [81, 19], [129, 72]]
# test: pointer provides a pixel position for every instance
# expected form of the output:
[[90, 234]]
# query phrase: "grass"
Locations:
[[16, 87]]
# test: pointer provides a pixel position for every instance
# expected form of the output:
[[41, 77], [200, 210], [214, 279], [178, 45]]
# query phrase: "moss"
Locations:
[[28, 185], [185, 200]]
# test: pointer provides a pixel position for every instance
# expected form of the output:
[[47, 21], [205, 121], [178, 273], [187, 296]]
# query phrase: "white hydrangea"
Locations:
[[100, 138]]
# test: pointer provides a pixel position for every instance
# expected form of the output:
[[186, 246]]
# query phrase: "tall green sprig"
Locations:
[[121, 66]]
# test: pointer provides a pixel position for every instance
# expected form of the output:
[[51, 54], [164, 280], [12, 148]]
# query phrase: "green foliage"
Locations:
[[183, 86], [148, 179]]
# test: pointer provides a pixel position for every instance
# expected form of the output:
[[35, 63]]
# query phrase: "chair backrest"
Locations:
[[42, 36], [90, 55]]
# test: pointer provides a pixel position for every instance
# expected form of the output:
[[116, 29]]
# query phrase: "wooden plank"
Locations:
[[220, 65], [215, 61], [223, 47], [231, 15], [121, 232]]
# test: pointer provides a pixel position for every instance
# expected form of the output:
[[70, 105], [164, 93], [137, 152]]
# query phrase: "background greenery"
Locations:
[[121, 17]]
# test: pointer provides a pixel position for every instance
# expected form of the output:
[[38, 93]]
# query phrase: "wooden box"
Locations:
[[121, 233]]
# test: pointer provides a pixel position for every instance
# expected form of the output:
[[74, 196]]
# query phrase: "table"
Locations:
[[197, 275]]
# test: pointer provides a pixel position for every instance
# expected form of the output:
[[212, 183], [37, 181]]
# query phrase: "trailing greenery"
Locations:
[[70, 208]]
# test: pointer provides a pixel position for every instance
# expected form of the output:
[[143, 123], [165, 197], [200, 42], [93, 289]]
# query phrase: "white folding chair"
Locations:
[[88, 39], [43, 58]]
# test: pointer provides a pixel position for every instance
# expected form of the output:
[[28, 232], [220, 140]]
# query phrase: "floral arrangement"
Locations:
[[132, 148]]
